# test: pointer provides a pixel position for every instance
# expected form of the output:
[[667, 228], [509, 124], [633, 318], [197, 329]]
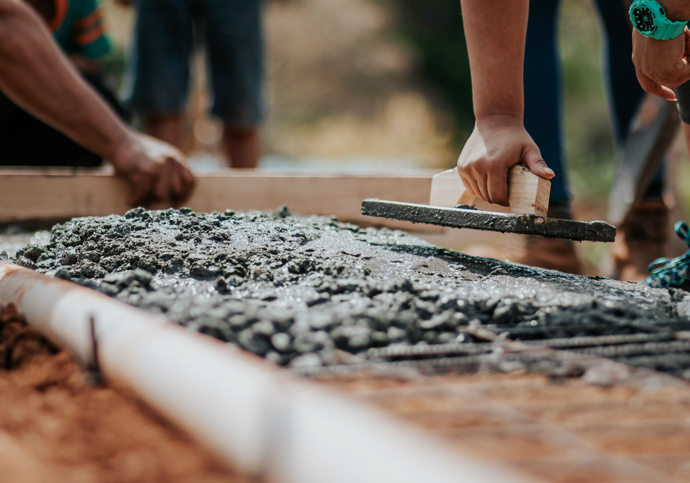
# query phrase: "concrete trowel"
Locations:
[[452, 205]]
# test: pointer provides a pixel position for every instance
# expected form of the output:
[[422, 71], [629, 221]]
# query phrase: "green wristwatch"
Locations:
[[649, 18]]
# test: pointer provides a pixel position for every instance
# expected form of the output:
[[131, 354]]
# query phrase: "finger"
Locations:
[[162, 188], [470, 184], [481, 180], [176, 182], [686, 34], [497, 186], [141, 190], [188, 183], [532, 158], [653, 88]]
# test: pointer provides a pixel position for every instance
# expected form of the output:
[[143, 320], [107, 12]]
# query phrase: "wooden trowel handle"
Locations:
[[467, 198], [527, 192]]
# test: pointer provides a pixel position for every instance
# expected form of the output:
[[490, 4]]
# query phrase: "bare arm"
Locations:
[[495, 32], [37, 76]]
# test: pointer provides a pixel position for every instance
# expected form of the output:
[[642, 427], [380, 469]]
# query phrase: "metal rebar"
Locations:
[[666, 362], [599, 340], [651, 348], [431, 350], [470, 363]]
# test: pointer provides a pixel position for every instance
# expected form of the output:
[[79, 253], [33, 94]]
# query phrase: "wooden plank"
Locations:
[[527, 192], [61, 194]]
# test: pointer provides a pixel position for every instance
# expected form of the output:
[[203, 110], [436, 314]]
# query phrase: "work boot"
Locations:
[[640, 241], [537, 251]]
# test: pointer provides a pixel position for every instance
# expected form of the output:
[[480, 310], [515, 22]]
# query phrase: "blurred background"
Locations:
[[357, 85]]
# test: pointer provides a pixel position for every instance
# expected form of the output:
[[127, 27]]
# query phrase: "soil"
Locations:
[[313, 291], [565, 430], [56, 424]]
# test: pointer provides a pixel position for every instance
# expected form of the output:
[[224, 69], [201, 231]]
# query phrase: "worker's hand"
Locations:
[[496, 144], [156, 170], [661, 64]]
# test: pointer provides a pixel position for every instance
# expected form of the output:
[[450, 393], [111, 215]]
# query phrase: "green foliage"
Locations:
[[433, 28], [588, 135]]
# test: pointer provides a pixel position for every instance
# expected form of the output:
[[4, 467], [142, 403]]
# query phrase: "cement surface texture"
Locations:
[[306, 292]]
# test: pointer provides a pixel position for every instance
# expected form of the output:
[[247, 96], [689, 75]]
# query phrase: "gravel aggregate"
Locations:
[[305, 292]]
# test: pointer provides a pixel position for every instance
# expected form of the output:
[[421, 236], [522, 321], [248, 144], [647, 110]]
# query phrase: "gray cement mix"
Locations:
[[307, 292]]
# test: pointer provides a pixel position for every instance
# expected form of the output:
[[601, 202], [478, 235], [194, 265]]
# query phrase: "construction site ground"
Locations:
[[58, 424], [568, 378], [560, 430]]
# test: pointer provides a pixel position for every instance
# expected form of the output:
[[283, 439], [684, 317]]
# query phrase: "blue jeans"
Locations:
[[544, 86], [157, 77]]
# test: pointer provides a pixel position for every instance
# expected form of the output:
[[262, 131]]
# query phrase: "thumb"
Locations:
[[532, 158]]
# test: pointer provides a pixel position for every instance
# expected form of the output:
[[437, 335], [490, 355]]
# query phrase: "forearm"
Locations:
[[36, 75], [495, 31]]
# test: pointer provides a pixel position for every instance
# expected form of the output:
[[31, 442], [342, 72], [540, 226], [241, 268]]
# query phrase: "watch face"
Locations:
[[644, 19]]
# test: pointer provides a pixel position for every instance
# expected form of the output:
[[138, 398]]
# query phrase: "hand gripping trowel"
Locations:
[[451, 205]]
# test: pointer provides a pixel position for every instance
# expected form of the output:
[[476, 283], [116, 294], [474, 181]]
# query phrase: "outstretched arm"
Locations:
[[495, 33], [37, 76]]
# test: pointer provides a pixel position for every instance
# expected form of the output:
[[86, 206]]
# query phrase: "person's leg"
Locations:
[[166, 127], [235, 51], [643, 238], [672, 273], [544, 92], [157, 77], [242, 146], [623, 91]]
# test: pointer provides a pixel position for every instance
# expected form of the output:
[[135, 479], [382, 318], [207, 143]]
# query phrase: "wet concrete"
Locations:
[[311, 291], [14, 238], [457, 217]]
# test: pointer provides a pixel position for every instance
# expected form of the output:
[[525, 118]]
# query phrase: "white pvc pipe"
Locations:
[[254, 416]]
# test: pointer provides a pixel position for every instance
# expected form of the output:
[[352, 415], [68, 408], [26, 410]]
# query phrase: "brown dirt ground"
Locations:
[[561, 431], [57, 426]]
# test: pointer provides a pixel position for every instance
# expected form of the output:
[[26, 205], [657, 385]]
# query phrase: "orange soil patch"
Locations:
[[562, 431], [57, 426]]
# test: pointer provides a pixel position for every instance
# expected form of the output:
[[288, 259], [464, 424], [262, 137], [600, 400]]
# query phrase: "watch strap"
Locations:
[[669, 30]]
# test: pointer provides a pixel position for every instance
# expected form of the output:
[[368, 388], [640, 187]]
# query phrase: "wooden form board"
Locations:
[[62, 194]]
